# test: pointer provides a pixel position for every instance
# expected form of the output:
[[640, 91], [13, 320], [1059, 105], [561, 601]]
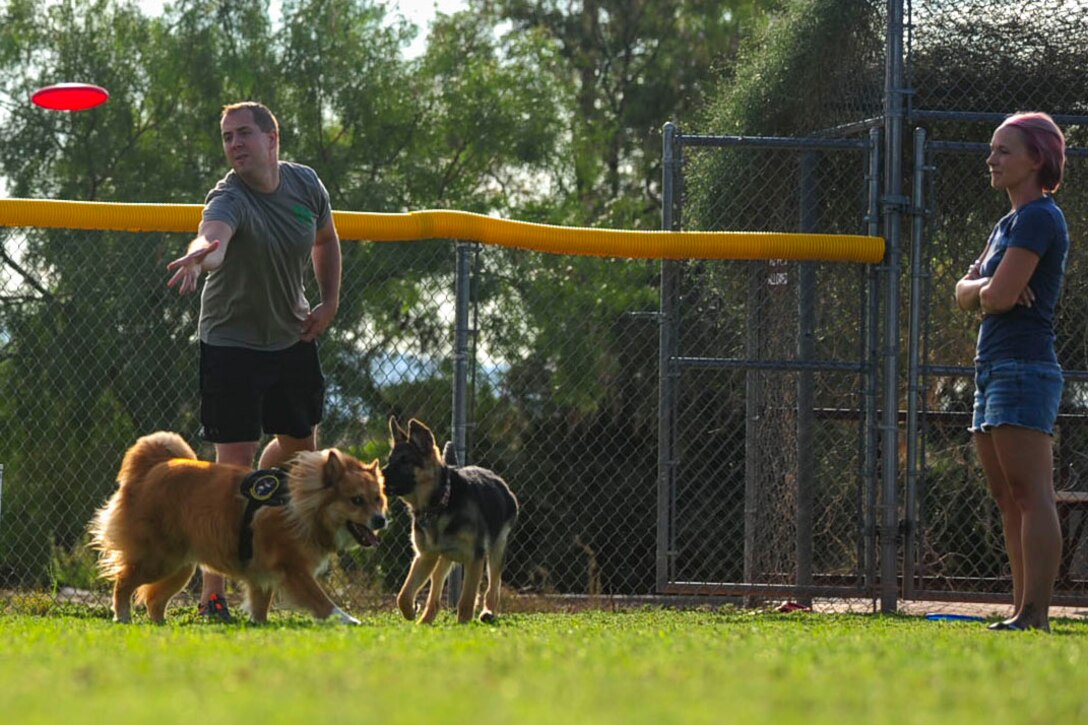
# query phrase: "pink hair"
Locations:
[[1045, 142]]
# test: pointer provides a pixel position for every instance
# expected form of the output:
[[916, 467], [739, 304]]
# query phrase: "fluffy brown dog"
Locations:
[[171, 512]]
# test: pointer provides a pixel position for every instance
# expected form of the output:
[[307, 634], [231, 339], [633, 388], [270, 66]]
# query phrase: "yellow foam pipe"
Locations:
[[443, 224]]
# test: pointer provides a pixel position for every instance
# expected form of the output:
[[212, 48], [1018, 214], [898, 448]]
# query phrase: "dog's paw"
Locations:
[[407, 608], [343, 616], [488, 617]]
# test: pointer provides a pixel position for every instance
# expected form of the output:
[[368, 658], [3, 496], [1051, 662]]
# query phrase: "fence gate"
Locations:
[[767, 483], [953, 547]]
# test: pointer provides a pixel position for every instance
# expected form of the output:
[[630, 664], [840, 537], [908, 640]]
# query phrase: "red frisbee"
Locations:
[[70, 96]]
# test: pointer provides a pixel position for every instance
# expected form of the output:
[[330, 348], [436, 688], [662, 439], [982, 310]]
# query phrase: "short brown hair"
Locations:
[[261, 115]]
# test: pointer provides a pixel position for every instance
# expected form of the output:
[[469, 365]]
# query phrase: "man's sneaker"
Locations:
[[215, 608]]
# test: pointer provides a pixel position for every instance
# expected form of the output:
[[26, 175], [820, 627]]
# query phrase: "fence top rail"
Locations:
[[804, 144], [989, 117], [449, 224], [983, 147]]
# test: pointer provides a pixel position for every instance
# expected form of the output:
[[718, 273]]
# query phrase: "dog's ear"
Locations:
[[334, 468], [375, 465], [421, 435], [397, 433]]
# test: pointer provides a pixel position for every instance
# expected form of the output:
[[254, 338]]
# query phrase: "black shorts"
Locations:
[[243, 392]]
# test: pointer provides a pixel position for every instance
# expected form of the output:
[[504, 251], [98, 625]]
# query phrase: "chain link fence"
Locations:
[[771, 381], [561, 386], [955, 538], [692, 428], [780, 359], [970, 64]]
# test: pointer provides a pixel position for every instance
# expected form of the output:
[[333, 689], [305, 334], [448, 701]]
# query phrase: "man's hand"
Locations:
[[317, 322], [187, 269]]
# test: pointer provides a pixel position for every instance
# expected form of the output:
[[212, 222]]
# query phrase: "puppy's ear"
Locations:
[[421, 435], [334, 468], [397, 433]]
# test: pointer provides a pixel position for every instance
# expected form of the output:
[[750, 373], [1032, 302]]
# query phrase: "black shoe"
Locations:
[[215, 608]]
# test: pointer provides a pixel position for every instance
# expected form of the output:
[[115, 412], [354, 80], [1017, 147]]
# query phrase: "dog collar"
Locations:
[[434, 507], [444, 496], [266, 487]]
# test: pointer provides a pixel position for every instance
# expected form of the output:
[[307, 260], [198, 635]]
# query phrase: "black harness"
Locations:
[[266, 487]]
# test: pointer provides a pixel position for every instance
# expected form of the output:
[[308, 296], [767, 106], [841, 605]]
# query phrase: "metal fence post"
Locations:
[[459, 425], [667, 371], [871, 356], [893, 203], [753, 414], [914, 342], [462, 305], [806, 389]]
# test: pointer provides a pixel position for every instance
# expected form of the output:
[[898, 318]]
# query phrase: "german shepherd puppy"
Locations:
[[461, 515], [171, 512]]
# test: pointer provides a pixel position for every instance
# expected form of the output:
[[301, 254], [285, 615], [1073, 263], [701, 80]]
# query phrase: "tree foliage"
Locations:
[[539, 111], [632, 65], [96, 349]]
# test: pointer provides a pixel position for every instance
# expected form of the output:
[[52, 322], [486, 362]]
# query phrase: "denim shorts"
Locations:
[[1024, 393]]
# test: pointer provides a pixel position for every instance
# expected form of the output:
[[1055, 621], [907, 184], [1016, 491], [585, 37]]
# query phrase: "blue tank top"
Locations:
[[1027, 333]]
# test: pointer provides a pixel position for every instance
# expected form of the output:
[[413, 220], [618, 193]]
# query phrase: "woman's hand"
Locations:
[[1027, 297]]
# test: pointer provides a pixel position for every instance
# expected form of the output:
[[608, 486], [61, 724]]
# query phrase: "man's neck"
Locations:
[[265, 181]]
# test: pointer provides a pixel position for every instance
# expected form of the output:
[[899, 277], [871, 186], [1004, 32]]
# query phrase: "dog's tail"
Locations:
[[148, 452], [145, 454], [449, 455]]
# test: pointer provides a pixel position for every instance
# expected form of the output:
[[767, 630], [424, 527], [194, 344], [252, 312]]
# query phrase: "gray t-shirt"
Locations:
[[255, 299]]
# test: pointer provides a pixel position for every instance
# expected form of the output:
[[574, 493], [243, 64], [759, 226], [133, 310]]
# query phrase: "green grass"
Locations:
[[644, 666]]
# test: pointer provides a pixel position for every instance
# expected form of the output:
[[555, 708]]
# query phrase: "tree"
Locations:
[[96, 350], [632, 64], [526, 123]]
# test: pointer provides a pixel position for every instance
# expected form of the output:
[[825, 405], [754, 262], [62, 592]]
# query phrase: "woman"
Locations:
[[1018, 382]]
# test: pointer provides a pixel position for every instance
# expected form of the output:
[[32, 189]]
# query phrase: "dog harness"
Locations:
[[266, 487]]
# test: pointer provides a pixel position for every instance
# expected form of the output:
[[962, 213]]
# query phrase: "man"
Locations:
[[259, 366]]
